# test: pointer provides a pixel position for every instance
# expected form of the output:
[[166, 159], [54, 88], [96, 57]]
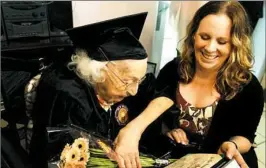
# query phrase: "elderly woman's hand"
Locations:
[[230, 151], [126, 147], [178, 135]]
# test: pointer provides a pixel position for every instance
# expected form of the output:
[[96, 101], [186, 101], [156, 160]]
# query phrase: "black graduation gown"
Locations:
[[63, 98]]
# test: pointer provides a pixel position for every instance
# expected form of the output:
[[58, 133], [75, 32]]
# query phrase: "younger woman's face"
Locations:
[[212, 42]]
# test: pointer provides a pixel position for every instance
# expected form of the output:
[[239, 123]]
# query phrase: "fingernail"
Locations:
[[229, 156]]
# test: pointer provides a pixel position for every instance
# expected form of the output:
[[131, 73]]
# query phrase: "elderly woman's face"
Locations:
[[122, 79], [212, 42]]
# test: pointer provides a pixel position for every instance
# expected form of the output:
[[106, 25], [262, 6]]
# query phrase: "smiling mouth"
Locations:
[[209, 57]]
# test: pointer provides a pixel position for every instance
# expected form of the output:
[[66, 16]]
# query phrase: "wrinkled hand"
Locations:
[[230, 151], [178, 135], [126, 148]]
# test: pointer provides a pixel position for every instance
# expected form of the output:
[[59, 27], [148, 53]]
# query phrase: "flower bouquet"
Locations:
[[87, 149]]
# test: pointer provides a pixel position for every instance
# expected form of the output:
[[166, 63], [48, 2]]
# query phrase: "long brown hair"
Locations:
[[235, 72]]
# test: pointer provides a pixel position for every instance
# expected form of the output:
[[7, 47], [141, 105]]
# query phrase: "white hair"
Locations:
[[93, 71], [90, 70]]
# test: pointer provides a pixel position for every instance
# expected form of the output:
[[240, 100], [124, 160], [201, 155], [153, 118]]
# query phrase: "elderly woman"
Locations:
[[109, 65], [218, 98]]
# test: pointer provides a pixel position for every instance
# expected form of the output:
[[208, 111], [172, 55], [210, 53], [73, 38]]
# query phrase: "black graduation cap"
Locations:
[[116, 39]]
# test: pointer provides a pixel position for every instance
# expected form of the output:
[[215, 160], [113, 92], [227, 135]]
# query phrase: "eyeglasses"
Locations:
[[126, 85]]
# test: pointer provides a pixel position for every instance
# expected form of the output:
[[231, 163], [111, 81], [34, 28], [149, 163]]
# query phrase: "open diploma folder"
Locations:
[[204, 161]]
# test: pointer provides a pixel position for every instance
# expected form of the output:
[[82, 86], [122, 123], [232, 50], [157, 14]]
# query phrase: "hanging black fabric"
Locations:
[[16, 73], [254, 10], [12, 154], [18, 68]]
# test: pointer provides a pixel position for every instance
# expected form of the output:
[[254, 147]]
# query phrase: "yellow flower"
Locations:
[[69, 165], [65, 151], [79, 165], [74, 165], [73, 155], [82, 144], [84, 157]]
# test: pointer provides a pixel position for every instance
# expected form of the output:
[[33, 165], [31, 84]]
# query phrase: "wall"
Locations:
[[180, 14], [85, 12], [158, 42], [177, 18], [258, 39]]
